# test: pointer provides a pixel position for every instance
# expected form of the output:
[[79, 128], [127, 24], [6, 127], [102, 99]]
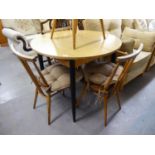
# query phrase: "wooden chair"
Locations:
[[106, 79], [74, 29], [48, 82]]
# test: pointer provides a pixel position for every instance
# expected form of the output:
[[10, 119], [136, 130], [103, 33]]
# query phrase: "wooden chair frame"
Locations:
[[74, 29], [104, 89], [40, 82]]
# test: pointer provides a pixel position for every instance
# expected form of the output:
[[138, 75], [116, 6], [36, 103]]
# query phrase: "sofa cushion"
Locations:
[[139, 65], [111, 25], [24, 26], [127, 23], [147, 38], [140, 60], [140, 24], [152, 25], [127, 45]]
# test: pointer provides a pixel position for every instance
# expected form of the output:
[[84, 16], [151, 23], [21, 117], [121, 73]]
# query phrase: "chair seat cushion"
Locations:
[[58, 76], [98, 72]]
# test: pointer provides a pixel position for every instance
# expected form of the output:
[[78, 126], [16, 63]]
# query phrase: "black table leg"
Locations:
[[41, 63], [113, 57], [73, 88]]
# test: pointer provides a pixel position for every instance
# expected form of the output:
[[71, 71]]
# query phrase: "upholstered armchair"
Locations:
[[29, 28]]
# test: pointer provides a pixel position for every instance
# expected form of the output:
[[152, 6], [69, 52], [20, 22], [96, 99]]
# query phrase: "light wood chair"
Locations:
[[48, 82], [106, 79]]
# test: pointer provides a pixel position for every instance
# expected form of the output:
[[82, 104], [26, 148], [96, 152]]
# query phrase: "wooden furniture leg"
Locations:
[[53, 27], [48, 99], [74, 30], [35, 98], [102, 28], [105, 108]]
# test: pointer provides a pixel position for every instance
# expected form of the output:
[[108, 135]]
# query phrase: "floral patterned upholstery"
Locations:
[[24, 26]]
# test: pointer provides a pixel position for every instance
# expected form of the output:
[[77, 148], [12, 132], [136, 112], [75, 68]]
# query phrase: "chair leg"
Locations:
[[49, 61], [48, 99], [105, 108], [35, 98], [118, 100]]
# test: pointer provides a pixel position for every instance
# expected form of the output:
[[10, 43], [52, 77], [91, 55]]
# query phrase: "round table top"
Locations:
[[89, 44]]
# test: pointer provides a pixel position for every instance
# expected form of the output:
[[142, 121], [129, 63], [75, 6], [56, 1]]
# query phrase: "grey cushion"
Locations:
[[98, 73], [58, 76], [127, 45]]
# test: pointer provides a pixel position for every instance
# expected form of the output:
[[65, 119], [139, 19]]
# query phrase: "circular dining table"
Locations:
[[90, 45]]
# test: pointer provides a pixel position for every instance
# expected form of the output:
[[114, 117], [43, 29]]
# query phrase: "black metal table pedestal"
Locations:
[[73, 88], [41, 63]]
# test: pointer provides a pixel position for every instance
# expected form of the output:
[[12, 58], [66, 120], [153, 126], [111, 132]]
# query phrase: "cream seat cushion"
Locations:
[[111, 25], [138, 66], [98, 72], [147, 38], [58, 77], [141, 60]]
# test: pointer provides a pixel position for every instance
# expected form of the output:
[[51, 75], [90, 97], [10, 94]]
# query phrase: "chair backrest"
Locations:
[[26, 58], [127, 61], [16, 37]]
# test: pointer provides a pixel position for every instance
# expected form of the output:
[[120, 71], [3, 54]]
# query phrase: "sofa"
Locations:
[[137, 29]]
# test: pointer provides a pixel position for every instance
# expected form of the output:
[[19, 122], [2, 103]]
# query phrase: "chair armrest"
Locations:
[[121, 52], [44, 22]]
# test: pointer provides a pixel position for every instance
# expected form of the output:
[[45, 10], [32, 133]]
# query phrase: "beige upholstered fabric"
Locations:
[[153, 61], [141, 24], [58, 77], [127, 45], [98, 73], [127, 23], [138, 66], [25, 26], [147, 38], [152, 25], [111, 25]]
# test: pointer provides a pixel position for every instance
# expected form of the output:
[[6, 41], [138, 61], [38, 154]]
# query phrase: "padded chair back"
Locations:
[[26, 58], [16, 37]]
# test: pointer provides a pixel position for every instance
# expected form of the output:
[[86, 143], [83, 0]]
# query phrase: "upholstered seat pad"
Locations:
[[98, 73], [58, 76]]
